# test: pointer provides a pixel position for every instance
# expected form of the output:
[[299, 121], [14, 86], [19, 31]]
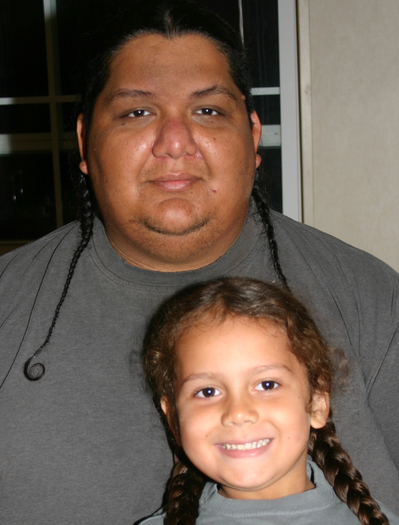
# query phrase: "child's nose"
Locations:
[[239, 412]]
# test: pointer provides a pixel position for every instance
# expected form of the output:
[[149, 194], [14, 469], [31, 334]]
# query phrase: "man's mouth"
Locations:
[[246, 446], [175, 182]]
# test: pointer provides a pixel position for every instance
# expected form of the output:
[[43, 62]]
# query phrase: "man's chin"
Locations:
[[175, 229]]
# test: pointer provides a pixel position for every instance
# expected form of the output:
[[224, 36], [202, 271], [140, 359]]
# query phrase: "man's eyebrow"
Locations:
[[131, 93], [217, 89]]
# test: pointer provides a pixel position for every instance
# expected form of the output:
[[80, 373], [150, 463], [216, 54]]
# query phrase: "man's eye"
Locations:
[[208, 392], [138, 113], [208, 112], [267, 385]]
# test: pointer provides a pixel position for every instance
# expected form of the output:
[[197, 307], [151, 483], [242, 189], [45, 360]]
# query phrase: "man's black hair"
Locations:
[[169, 18]]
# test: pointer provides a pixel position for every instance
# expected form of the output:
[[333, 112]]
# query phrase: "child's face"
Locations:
[[243, 407]]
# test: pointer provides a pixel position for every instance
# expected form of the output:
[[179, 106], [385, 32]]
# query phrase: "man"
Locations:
[[168, 139]]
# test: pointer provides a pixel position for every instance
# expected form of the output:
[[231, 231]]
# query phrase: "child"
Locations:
[[243, 379]]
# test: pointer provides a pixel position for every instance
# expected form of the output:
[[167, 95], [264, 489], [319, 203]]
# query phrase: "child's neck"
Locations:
[[269, 493]]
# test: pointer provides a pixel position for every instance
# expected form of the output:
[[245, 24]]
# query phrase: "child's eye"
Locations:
[[208, 392], [267, 385], [138, 113], [208, 112]]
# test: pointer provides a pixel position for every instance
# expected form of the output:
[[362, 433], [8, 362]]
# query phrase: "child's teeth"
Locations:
[[247, 446]]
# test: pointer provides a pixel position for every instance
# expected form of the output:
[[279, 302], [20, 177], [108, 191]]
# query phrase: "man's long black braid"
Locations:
[[261, 200], [86, 215]]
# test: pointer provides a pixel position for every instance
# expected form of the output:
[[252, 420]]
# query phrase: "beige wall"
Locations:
[[349, 73]]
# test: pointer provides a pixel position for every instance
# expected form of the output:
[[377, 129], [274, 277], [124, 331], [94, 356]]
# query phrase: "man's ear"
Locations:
[[81, 133], [256, 134], [319, 410], [166, 409]]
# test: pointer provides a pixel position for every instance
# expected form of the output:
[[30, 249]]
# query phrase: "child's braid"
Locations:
[[183, 494], [327, 452]]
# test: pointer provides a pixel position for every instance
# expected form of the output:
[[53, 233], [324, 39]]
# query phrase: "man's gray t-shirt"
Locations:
[[85, 445]]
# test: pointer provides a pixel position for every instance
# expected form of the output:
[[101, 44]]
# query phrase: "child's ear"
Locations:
[[165, 406], [319, 410]]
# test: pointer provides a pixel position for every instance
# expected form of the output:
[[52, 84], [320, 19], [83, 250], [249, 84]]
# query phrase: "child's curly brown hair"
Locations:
[[210, 304]]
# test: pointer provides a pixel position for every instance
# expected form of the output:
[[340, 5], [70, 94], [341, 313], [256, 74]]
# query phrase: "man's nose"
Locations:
[[174, 139], [239, 411]]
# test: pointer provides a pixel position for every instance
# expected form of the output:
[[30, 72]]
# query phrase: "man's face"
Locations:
[[171, 153]]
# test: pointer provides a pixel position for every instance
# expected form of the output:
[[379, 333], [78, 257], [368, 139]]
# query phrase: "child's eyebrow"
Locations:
[[252, 371], [267, 368], [201, 375]]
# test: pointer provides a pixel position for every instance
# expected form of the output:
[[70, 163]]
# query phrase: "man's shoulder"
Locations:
[[62, 242], [289, 230], [318, 249]]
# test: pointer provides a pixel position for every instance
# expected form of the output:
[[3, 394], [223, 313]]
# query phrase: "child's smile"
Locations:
[[246, 446], [243, 406]]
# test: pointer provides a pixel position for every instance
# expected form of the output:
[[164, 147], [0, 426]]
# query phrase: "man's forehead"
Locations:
[[152, 42], [154, 56]]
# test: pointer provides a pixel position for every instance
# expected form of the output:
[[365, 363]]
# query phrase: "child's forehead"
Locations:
[[211, 321], [230, 333], [235, 346]]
